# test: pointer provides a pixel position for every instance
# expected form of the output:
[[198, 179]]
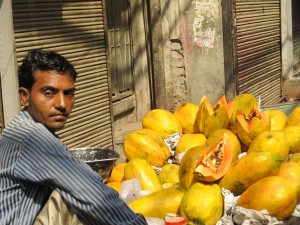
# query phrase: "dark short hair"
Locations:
[[43, 60]]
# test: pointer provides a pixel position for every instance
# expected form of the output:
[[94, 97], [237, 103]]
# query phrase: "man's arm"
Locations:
[[47, 162]]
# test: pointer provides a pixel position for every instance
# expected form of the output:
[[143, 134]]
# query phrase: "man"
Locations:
[[34, 163]]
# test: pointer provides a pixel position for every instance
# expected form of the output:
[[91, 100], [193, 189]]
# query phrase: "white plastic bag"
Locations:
[[131, 189]]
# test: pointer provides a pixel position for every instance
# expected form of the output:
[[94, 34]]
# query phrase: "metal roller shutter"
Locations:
[[296, 36], [258, 49], [76, 30]]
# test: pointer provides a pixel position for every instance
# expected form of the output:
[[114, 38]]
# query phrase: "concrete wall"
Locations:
[[188, 51], [201, 28]]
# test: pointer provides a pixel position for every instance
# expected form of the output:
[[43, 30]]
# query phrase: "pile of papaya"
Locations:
[[236, 146]]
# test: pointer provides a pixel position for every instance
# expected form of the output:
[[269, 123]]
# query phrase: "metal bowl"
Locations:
[[100, 160]]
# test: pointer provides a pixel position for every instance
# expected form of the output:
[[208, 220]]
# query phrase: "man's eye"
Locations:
[[70, 93], [48, 93]]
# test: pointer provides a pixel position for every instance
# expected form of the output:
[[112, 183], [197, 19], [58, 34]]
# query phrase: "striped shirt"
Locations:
[[33, 162]]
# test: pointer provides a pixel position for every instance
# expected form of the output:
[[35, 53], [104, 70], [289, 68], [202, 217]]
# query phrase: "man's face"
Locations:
[[51, 99]]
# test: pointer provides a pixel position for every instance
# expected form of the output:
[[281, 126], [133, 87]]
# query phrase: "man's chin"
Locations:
[[56, 126]]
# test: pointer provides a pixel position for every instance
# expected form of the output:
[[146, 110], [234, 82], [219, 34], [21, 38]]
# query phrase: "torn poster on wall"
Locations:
[[204, 24]]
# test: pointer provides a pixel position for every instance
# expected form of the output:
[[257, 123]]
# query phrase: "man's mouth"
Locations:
[[60, 116]]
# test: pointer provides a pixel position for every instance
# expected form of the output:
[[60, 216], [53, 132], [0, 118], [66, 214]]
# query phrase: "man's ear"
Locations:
[[24, 96]]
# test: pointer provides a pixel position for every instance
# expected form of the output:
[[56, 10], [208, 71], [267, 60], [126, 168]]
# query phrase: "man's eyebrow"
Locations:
[[53, 88], [71, 89], [44, 88]]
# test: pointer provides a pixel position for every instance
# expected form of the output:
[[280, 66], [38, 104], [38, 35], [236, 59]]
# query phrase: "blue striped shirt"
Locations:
[[33, 162]]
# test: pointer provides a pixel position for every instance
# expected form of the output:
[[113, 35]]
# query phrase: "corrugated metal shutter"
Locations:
[[296, 35], [119, 40], [76, 30], [258, 49]]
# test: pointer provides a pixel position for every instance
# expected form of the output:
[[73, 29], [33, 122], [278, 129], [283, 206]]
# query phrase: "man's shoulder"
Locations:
[[22, 125]]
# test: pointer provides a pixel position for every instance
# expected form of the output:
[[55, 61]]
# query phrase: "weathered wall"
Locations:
[[201, 28], [190, 51]]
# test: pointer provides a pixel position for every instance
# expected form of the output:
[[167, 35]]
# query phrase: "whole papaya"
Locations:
[[273, 141], [162, 122], [159, 203], [274, 194], [249, 169], [278, 119], [292, 138], [186, 115], [202, 204], [290, 171], [188, 141], [146, 144], [141, 169], [293, 118], [169, 174]]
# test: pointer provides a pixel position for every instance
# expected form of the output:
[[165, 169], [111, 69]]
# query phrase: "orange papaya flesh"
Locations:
[[250, 126], [233, 139], [242, 102], [212, 117], [216, 161]]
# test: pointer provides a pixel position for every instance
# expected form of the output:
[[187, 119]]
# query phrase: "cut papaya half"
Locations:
[[212, 117], [214, 164], [251, 125]]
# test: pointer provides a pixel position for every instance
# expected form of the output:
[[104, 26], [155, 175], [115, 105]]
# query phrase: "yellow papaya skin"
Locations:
[[294, 158], [162, 121], [146, 144], [249, 169], [202, 204], [169, 174], [141, 169], [277, 118], [290, 171], [293, 118], [293, 138], [273, 141], [188, 165], [159, 203], [188, 141], [186, 115], [274, 194]]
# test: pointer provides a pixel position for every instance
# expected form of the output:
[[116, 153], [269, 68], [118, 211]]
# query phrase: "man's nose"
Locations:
[[60, 101]]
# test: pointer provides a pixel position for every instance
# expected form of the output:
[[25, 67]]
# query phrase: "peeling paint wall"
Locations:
[[192, 56], [201, 27]]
